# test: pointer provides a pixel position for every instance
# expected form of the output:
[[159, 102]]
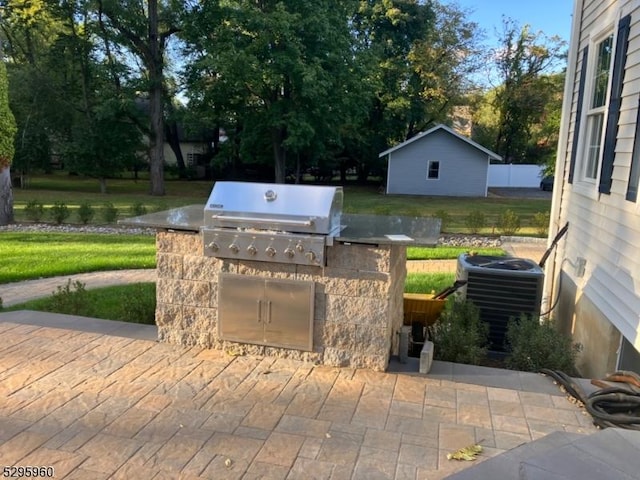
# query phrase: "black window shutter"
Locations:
[[634, 174], [576, 128], [617, 80]]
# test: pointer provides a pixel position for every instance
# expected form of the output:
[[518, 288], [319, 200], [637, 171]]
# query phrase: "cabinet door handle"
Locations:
[[268, 311], [259, 304]]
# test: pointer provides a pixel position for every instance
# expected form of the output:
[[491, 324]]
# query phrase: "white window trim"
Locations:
[[429, 169], [582, 184]]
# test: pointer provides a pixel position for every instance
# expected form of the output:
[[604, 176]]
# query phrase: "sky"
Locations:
[[553, 17]]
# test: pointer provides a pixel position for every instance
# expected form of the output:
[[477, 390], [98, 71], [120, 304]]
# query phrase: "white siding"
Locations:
[[463, 168], [605, 229]]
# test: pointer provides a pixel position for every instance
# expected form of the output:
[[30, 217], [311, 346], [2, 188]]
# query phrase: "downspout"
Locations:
[[556, 221]]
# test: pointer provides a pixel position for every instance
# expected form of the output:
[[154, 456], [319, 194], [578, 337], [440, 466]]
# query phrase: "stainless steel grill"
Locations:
[[271, 222]]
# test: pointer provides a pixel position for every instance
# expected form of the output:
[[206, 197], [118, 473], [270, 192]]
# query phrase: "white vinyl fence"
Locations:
[[522, 176]]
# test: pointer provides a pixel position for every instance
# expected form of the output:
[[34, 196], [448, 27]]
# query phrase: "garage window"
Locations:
[[433, 171]]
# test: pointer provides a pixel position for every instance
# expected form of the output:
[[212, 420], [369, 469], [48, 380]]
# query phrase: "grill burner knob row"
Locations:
[[252, 250], [234, 248], [270, 251]]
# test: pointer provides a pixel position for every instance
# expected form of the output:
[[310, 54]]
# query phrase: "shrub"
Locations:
[[540, 221], [534, 345], [59, 212], [86, 212], [508, 222], [139, 305], [137, 209], [70, 299], [109, 213], [459, 335], [34, 210], [445, 219], [475, 221]]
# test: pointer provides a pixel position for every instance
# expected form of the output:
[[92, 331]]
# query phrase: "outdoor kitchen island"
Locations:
[[343, 310]]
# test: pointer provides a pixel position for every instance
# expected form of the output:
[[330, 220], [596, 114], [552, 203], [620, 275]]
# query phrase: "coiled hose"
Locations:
[[612, 405]]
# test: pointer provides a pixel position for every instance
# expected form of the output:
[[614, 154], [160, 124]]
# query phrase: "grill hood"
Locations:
[[291, 208]]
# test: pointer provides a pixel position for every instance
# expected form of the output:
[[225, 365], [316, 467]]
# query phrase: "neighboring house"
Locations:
[[438, 162], [594, 275]]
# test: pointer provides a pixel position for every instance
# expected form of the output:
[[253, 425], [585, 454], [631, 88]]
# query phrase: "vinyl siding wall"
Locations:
[[604, 228], [463, 168]]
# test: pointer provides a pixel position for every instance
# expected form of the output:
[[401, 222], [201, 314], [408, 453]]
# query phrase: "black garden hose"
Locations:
[[614, 406]]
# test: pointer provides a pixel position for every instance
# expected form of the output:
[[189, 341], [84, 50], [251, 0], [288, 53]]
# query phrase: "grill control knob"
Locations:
[[310, 255], [252, 250], [213, 246], [270, 251], [300, 247], [289, 252], [234, 248]]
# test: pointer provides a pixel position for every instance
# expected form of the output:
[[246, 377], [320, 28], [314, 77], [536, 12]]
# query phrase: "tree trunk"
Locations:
[[279, 154], [6, 196], [171, 130], [156, 150], [103, 184]]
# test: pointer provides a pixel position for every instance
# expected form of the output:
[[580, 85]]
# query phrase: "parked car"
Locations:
[[546, 184]]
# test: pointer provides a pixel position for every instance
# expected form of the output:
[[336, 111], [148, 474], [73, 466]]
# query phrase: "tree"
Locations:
[[520, 100], [281, 71], [419, 57], [7, 133], [144, 28]]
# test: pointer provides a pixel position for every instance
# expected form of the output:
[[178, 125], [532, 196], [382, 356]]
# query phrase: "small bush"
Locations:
[[34, 210], [540, 221], [86, 212], [137, 209], [109, 213], [445, 219], [508, 223], [475, 221], [59, 212], [459, 335], [70, 299], [534, 345], [139, 305]]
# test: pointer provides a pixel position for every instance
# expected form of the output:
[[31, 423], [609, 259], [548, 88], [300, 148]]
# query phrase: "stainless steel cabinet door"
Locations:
[[240, 308], [264, 311], [289, 314]]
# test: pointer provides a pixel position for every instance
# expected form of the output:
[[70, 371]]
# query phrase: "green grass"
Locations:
[[128, 303], [448, 253], [428, 282], [367, 200], [25, 256], [125, 192]]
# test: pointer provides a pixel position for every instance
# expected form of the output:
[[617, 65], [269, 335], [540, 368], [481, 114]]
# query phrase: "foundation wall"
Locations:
[[358, 300]]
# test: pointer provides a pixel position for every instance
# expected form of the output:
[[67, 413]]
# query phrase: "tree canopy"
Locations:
[[275, 87]]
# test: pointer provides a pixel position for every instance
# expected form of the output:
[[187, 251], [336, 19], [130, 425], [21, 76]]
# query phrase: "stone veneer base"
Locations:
[[358, 300]]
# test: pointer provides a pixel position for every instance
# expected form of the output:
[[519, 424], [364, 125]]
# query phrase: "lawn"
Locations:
[[25, 256], [124, 193]]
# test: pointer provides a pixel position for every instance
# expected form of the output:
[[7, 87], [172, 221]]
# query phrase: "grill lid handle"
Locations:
[[268, 222]]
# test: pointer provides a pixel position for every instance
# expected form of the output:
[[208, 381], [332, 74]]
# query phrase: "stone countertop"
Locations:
[[366, 229]]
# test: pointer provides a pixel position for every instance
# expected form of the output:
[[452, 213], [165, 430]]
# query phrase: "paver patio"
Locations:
[[95, 406]]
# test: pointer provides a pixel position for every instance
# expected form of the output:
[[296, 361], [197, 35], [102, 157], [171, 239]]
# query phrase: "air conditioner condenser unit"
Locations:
[[502, 288]]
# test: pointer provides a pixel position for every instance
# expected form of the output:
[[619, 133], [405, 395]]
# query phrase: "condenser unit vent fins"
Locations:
[[502, 288]]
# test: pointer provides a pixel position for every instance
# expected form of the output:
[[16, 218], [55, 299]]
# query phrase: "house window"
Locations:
[[433, 171], [597, 107]]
